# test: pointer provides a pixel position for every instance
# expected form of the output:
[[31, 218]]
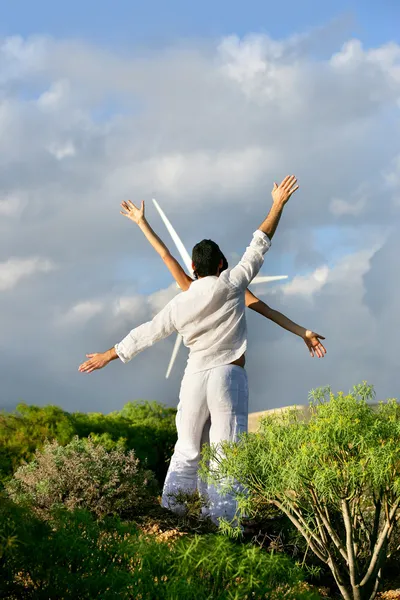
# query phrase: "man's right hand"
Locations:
[[132, 212], [281, 193]]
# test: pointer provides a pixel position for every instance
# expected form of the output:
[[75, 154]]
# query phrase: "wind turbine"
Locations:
[[188, 264]]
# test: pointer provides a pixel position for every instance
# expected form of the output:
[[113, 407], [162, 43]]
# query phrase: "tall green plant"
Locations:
[[336, 476]]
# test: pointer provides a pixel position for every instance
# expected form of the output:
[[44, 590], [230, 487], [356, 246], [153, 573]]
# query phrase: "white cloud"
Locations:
[[55, 95], [353, 205], [20, 57], [82, 312], [205, 128], [341, 207], [392, 174], [14, 270], [307, 285], [11, 205], [61, 151], [128, 306], [159, 299], [198, 173]]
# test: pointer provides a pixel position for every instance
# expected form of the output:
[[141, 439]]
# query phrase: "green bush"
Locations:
[[82, 474], [26, 429], [76, 557], [71, 557], [335, 476], [148, 428]]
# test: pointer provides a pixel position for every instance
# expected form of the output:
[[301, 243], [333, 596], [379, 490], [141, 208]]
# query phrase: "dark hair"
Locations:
[[206, 257], [224, 263]]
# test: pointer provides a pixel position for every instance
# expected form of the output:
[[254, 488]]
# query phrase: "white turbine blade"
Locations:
[[265, 279], [174, 355], [188, 264], [177, 240]]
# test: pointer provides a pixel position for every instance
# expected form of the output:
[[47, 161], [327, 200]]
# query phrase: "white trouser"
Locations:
[[219, 395]]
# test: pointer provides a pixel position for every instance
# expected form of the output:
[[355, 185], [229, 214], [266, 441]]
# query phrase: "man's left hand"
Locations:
[[313, 343]]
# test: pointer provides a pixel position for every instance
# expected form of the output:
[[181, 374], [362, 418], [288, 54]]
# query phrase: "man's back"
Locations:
[[210, 315]]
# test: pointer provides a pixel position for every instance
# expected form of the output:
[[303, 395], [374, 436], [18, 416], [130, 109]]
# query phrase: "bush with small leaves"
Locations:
[[335, 476], [83, 474]]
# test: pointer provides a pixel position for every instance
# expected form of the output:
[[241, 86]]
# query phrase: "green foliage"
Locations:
[[76, 557], [336, 476], [147, 428], [22, 431], [73, 556], [190, 503], [85, 475]]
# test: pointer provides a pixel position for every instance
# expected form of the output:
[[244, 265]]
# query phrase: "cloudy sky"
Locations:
[[202, 107]]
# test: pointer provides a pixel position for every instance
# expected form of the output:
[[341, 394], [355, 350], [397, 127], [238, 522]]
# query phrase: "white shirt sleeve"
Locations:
[[144, 336], [251, 261]]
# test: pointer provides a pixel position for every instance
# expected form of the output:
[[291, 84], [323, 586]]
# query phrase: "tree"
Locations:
[[336, 477]]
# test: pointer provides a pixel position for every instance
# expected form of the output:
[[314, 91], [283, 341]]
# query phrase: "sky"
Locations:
[[202, 106]]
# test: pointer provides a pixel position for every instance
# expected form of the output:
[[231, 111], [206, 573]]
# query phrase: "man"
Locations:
[[211, 319]]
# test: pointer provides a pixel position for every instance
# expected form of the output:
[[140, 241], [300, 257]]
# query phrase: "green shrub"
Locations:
[[335, 476], [148, 428], [26, 429], [75, 557], [71, 557], [82, 474]]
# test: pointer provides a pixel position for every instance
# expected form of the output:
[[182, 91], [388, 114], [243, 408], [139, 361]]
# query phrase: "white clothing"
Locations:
[[209, 316], [221, 395]]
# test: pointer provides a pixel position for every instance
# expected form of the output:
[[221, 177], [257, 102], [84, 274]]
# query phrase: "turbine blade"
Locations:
[[177, 240], [265, 279], [174, 354]]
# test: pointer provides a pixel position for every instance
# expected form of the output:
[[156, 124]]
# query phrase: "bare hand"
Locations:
[[281, 193], [313, 343], [133, 213], [96, 361]]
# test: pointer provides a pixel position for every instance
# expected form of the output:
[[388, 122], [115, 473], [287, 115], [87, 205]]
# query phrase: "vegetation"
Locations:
[[336, 477], [76, 557], [148, 428], [80, 516], [83, 474]]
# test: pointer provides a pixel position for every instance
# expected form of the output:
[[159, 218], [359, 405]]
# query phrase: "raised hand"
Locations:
[[281, 193], [132, 212], [313, 343]]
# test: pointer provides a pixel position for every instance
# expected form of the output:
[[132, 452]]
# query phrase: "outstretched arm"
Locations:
[[137, 340], [137, 216], [311, 339]]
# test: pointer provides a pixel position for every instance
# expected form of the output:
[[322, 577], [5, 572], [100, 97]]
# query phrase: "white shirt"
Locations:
[[210, 315]]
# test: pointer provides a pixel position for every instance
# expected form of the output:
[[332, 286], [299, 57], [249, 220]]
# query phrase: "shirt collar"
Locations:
[[204, 281]]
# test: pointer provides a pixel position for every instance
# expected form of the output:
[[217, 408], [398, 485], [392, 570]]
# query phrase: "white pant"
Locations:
[[216, 399]]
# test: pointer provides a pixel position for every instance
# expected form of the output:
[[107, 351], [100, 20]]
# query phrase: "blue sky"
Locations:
[[127, 22]]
